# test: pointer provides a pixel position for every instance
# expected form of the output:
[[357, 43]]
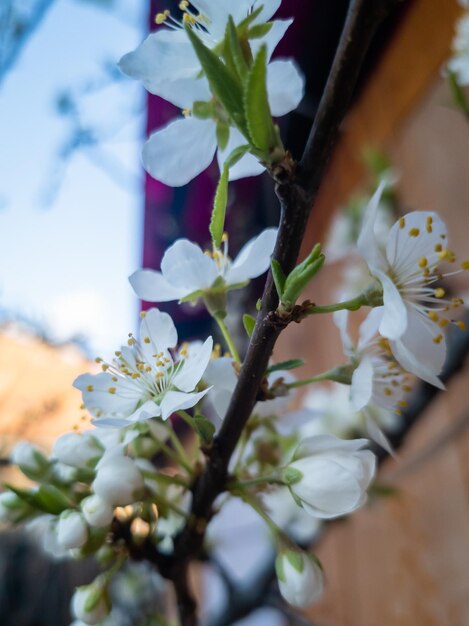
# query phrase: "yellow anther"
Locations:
[[131, 341], [98, 359], [224, 237], [439, 292], [135, 375], [423, 262], [183, 5], [188, 19], [443, 322], [148, 368], [426, 273], [406, 388], [159, 363], [147, 339], [444, 254], [398, 412], [183, 352], [438, 339], [118, 353], [105, 367], [438, 247], [112, 390], [402, 403], [89, 388], [457, 302], [159, 375], [465, 265], [186, 112], [82, 407], [460, 324], [402, 222], [143, 314], [414, 232], [429, 224], [160, 18], [114, 378], [388, 391]]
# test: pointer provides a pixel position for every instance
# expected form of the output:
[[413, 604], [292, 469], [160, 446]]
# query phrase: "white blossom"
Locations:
[[186, 269], [291, 518], [414, 311], [72, 531], [300, 578], [118, 481], [329, 476], [79, 450], [29, 459], [168, 66], [97, 511], [146, 379], [84, 596], [44, 529]]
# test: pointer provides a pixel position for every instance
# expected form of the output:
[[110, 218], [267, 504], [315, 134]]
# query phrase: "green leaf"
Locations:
[[223, 83], [458, 93], [256, 105], [291, 364], [217, 222], [223, 135], [249, 322], [204, 428], [278, 276], [47, 498], [260, 30], [299, 279], [234, 46]]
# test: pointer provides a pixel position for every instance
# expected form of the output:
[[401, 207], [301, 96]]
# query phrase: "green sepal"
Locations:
[[258, 304], [245, 24], [224, 85], [299, 279], [291, 364], [47, 498], [96, 539], [192, 297], [260, 30], [205, 429], [291, 475], [457, 91], [296, 560], [94, 597], [256, 105], [279, 569], [278, 276], [203, 110], [249, 322]]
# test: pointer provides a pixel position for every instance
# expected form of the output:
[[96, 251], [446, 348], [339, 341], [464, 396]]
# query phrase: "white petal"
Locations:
[[417, 352], [194, 367], [321, 443], [369, 327], [183, 92], [177, 401], [367, 243], [245, 167], [254, 258], [269, 8], [159, 328], [340, 319], [181, 150], [376, 434], [394, 321], [151, 286], [361, 389], [185, 266], [163, 56], [221, 374], [99, 399], [285, 86], [273, 37], [218, 12], [148, 410]]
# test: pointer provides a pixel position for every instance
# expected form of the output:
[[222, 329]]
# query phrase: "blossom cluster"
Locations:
[[128, 481]]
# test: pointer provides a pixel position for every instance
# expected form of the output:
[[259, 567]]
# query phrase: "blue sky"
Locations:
[[65, 264]]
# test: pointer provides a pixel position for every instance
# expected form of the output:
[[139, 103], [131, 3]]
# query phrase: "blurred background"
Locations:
[[78, 215]]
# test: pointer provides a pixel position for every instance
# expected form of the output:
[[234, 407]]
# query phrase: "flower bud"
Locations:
[[76, 450], [12, 508], [30, 460], [72, 531], [90, 604], [97, 512], [331, 475], [300, 577], [118, 481]]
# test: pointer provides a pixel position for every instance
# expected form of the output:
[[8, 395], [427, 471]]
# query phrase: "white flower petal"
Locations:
[[98, 398], [285, 86], [269, 8], [247, 166], [151, 286], [185, 266], [416, 351], [394, 321], [321, 443], [361, 389], [194, 367], [254, 258], [159, 328], [162, 57], [369, 327], [376, 434], [273, 37], [183, 92], [340, 319], [177, 401], [180, 151], [368, 243]]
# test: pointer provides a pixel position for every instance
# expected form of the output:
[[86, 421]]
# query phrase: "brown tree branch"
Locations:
[[296, 190]]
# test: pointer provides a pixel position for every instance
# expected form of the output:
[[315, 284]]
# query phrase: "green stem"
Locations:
[[180, 451], [219, 317], [184, 415], [260, 480], [276, 531], [174, 507], [348, 305], [341, 374], [166, 479]]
